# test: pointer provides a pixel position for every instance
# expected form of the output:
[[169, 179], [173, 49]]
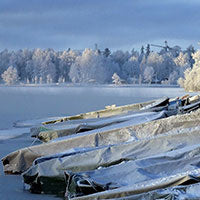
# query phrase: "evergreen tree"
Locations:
[[147, 50], [107, 52]]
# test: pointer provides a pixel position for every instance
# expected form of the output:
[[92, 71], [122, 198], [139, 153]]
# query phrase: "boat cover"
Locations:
[[113, 110], [163, 153], [21, 160], [46, 134], [133, 159], [96, 119], [189, 192]]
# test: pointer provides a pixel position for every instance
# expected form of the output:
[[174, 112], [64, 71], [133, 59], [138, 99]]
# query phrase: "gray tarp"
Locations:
[[22, 159], [176, 143], [47, 132], [132, 191], [154, 155], [114, 110], [69, 128], [142, 175], [109, 155], [189, 192], [107, 112], [177, 158], [97, 119]]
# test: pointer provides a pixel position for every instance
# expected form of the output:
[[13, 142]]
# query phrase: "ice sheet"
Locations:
[[12, 133]]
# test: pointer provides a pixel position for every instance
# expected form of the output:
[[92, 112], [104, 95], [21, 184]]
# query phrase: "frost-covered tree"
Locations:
[[106, 52], [42, 64], [191, 80], [182, 62], [18, 60], [175, 51], [173, 78], [131, 68], [4, 61], [148, 74], [96, 65], [10, 76], [147, 50], [91, 66], [190, 51], [116, 79], [134, 53], [120, 57], [155, 64], [49, 79], [66, 59], [30, 70], [27, 81], [36, 79], [61, 80], [41, 80], [168, 66]]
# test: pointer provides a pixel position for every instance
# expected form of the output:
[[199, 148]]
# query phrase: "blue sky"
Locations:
[[79, 24]]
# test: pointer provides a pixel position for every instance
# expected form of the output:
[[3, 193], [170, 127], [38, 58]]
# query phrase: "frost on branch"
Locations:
[[191, 80], [10, 76], [96, 66], [148, 74], [91, 66], [117, 80]]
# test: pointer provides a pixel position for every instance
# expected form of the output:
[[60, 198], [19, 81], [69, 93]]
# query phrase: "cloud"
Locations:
[[119, 24]]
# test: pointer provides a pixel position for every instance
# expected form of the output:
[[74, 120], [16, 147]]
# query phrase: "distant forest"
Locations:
[[167, 66]]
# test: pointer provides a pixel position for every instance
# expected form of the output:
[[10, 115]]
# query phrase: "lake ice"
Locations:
[[27, 103]]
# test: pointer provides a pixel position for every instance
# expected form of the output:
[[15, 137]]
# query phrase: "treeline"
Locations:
[[95, 66]]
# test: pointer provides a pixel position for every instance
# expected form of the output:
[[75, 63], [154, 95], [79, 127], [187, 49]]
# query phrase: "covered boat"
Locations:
[[102, 124], [21, 160], [170, 106], [177, 139], [109, 111], [120, 156], [114, 110]]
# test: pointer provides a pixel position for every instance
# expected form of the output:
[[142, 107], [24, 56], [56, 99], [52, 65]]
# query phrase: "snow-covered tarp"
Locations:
[[97, 119], [124, 156], [107, 112], [22, 159], [163, 153], [74, 127], [129, 116]]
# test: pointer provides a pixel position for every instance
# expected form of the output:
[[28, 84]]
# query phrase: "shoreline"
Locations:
[[57, 85]]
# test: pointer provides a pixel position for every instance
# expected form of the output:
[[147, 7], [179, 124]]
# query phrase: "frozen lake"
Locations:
[[24, 103]]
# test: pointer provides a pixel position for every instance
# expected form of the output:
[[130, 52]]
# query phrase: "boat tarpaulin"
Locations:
[[137, 169], [156, 152], [22, 159], [102, 124]]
